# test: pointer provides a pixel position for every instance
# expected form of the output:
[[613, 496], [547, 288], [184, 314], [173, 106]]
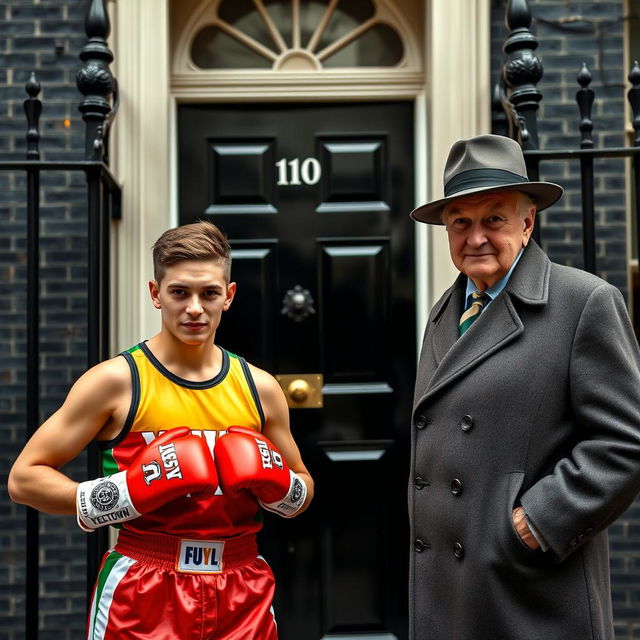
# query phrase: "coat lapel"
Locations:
[[446, 319], [447, 358]]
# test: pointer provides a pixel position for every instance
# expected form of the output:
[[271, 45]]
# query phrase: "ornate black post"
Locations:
[[94, 79], [96, 83], [522, 71], [33, 109]]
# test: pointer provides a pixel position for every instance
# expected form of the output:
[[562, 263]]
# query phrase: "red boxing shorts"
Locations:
[[156, 587]]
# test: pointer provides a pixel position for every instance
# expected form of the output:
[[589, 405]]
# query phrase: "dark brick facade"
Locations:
[[46, 36], [43, 36], [570, 33]]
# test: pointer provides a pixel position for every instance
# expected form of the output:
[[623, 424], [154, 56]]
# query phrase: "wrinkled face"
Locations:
[[191, 297], [486, 233]]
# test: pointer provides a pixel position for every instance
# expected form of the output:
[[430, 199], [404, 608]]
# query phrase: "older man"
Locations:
[[526, 423]]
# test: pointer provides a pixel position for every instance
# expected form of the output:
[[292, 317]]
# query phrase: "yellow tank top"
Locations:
[[162, 401]]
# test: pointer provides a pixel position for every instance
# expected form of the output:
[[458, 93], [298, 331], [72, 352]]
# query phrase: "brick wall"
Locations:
[[570, 33], [44, 36]]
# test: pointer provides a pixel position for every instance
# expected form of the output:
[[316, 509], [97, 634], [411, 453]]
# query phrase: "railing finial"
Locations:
[[33, 109], [584, 98], [523, 70]]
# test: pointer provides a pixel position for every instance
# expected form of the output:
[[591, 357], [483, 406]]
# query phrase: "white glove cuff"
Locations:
[[293, 501], [104, 501]]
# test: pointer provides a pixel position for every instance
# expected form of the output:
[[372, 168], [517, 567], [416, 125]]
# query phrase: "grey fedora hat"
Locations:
[[486, 163]]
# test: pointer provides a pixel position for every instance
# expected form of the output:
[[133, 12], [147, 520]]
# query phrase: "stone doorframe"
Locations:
[[457, 46]]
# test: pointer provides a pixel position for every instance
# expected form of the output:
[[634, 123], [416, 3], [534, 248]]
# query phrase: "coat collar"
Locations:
[[529, 281], [446, 357]]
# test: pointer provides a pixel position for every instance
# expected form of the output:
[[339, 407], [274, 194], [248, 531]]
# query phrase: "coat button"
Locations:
[[456, 487], [421, 422], [458, 551], [420, 545], [420, 483], [466, 424]]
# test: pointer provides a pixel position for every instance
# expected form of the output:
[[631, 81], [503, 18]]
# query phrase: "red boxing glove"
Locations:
[[245, 459], [173, 465]]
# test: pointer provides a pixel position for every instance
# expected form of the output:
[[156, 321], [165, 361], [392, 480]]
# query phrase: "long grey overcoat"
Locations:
[[538, 405]]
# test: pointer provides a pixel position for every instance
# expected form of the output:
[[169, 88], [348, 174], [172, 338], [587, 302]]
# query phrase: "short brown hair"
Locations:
[[197, 241]]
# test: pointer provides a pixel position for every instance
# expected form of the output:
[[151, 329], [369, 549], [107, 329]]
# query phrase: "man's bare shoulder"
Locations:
[[99, 399], [113, 373], [105, 383]]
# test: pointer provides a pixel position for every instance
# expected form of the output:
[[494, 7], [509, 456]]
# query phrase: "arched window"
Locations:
[[297, 35]]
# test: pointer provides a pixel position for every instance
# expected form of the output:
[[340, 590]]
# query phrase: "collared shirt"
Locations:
[[493, 291]]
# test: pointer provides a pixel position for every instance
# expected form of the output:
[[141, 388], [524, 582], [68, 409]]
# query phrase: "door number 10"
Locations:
[[295, 172]]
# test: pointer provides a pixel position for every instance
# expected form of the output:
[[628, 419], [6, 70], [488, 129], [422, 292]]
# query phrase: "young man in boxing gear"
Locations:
[[185, 564]]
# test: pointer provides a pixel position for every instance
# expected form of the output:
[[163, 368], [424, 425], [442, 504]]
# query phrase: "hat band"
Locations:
[[481, 179]]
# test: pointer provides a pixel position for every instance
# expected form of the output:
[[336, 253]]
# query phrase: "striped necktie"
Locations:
[[478, 298]]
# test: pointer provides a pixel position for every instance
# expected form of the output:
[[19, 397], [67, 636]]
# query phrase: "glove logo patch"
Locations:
[[265, 454], [105, 496], [151, 472], [170, 461], [269, 456], [296, 493], [277, 459]]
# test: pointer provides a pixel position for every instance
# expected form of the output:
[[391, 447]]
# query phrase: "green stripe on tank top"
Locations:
[[136, 347], [109, 464]]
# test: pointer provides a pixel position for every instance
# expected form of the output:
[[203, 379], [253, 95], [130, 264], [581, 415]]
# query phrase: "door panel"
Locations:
[[254, 265], [315, 202], [355, 174], [240, 177], [353, 316]]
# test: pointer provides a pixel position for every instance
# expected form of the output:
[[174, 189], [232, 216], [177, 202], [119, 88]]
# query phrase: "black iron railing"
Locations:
[[98, 108], [516, 100]]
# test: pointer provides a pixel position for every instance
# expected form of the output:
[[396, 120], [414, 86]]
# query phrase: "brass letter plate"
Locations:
[[303, 390]]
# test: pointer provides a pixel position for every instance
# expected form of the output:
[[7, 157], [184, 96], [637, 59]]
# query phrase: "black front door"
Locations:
[[315, 201]]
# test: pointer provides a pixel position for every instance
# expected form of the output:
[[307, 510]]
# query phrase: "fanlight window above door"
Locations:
[[297, 35]]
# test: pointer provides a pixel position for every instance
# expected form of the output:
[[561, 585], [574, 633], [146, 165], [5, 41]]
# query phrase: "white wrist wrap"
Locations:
[[291, 503], [104, 501]]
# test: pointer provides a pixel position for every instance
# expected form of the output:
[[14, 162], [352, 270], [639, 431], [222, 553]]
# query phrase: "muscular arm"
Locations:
[[91, 406], [277, 429]]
